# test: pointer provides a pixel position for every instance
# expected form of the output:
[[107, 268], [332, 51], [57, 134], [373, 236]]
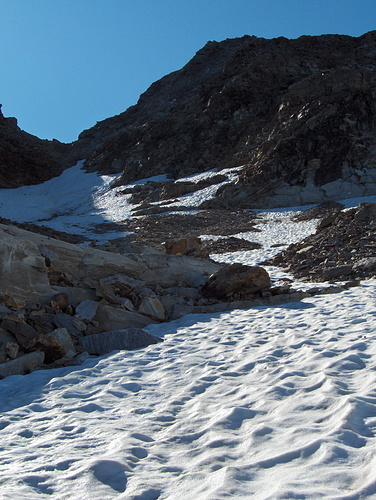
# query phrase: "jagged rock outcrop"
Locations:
[[25, 159], [54, 295], [300, 116], [343, 247]]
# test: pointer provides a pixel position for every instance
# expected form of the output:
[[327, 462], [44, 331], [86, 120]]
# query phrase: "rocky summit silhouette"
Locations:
[[297, 115]]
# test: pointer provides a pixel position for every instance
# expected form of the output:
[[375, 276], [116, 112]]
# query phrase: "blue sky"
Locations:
[[66, 64]]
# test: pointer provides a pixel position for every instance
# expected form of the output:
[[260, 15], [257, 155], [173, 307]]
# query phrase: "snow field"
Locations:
[[78, 202], [269, 403]]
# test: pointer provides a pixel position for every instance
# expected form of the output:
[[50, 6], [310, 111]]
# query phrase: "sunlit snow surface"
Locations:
[[78, 202], [267, 403]]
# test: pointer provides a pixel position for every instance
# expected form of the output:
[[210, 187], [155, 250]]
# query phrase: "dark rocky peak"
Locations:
[[298, 115], [25, 159], [293, 111]]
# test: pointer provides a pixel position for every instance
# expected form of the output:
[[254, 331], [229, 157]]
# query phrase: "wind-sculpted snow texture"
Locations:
[[269, 403]]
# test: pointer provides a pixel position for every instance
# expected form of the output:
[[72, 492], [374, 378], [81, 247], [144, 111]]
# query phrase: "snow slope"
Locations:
[[78, 202], [267, 403]]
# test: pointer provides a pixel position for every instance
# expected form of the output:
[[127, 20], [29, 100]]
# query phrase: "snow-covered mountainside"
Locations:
[[269, 402]]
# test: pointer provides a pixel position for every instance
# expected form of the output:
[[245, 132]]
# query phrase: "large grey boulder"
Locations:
[[128, 339], [113, 318]]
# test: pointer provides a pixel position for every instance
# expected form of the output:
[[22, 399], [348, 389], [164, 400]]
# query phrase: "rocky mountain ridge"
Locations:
[[297, 115]]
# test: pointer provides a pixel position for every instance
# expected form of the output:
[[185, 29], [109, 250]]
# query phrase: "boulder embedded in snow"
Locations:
[[236, 279], [21, 366], [128, 339]]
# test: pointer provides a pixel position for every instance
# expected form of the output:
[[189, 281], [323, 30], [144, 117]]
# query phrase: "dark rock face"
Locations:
[[25, 159], [294, 114], [300, 112]]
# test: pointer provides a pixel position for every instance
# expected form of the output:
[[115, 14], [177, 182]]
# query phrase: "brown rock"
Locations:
[[185, 246], [13, 303], [61, 300], [25, 334], [236, 279], [56, 345], [152, 307], [41, 321]]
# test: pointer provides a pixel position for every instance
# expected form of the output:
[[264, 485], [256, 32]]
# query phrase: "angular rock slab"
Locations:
[[57, 344], [87, 309], [111, 318], [22, 365], [117, 340], [25, 334], [151, 306]]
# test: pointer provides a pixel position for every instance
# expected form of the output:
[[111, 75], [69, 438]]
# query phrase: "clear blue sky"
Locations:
[[66, 64]]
